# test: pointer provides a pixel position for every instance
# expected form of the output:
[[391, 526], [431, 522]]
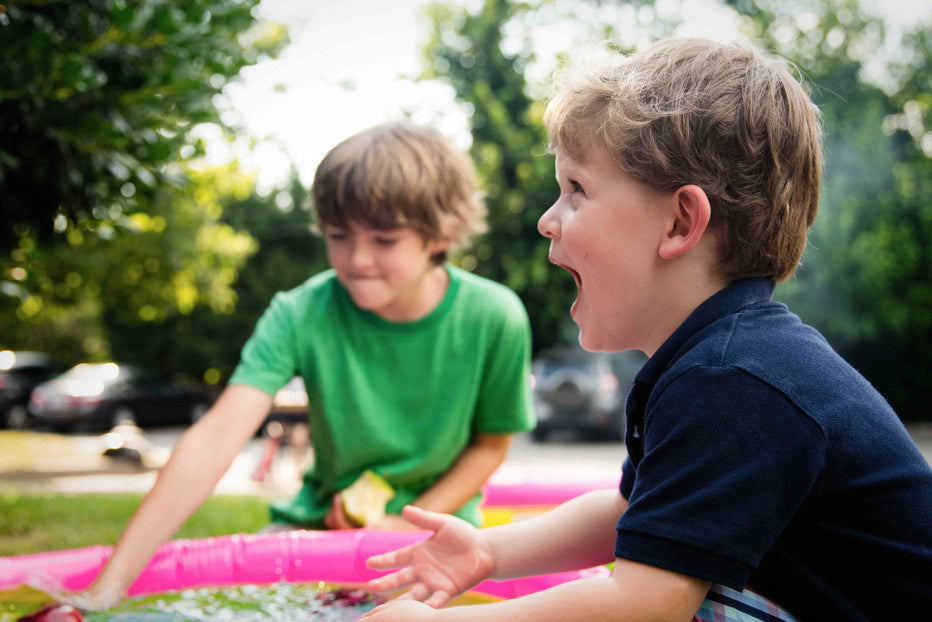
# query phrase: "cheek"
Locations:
[[578, 239], [395, 264], [337, 256]]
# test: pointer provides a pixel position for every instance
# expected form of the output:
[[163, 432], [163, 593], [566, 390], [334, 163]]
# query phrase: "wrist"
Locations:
[[102, 595]]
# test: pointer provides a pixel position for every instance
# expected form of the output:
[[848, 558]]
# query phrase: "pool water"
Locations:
[[280, 602], [283, 602]]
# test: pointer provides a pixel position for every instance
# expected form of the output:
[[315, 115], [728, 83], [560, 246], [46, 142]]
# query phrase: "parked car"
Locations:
[[582, 392], [20, 372], [103, 395]]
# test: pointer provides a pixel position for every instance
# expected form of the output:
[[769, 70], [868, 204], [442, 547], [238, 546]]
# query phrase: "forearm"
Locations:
[[197, 463], [588, 600], [468, 474], [641, 594], [577, 534], [181, 487]]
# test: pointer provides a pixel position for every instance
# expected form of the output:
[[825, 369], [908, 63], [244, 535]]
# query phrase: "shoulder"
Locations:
[[320, 283], [317, 291], [774, 345], [769, 350], [764, 340], [309, 304]]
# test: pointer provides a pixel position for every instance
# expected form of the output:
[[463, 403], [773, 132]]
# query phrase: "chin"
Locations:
[[367, 304], [599, 342], [589, 342]]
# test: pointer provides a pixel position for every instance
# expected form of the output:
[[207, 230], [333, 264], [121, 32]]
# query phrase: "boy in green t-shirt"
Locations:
[[415, 369]]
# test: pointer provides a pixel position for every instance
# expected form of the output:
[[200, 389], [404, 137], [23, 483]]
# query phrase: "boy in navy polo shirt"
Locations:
[[757, 458]]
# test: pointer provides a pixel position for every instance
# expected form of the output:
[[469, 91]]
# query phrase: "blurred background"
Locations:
[[155, 158]]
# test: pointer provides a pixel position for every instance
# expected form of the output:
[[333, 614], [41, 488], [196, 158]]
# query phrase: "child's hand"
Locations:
[[402, 611], [336, 517], [453, 560], [95, 598]]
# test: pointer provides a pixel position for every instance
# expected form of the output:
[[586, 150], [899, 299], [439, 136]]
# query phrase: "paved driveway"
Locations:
[[91, 473]]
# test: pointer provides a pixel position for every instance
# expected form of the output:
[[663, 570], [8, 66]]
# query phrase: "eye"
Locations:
[[576, 186], [334, 235], [382, 240]]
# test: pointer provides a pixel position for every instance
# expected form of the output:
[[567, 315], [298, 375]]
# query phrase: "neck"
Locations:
[[690, 289], [423, 297]]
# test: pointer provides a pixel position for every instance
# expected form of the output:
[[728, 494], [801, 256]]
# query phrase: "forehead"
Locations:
[[358, 227], [590, 156]]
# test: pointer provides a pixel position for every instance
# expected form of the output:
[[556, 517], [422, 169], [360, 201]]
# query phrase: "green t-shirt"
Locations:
[[402, 399]]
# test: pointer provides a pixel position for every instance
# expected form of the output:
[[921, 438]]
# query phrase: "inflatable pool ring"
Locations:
[[295, 557], [516, 493]]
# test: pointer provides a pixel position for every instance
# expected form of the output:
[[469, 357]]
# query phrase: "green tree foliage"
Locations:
[[865, 281], [288, 254], [206, 341], [83, 296], [510, 150], [98, 96], [866, 278], [112, 243]]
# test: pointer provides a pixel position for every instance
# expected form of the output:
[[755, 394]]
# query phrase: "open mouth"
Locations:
[[575, 274]]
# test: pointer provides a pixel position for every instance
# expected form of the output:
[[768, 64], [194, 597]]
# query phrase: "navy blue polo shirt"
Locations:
[[758, 457]]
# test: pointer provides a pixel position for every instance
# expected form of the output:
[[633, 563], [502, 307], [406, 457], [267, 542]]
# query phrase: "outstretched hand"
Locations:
[[67, 606], [456, 558]]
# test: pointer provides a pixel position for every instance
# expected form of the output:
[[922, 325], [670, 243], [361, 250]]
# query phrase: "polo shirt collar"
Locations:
[[733, 298]]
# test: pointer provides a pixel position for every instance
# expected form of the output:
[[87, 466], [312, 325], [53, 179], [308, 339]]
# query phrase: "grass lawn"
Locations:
[[36, 522]]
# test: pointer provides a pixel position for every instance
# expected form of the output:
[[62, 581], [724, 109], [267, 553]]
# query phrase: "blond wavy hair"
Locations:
[[721, 116]]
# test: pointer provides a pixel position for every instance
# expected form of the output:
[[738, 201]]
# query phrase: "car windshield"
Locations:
[[96, 371], [10, 361], [89, 379]]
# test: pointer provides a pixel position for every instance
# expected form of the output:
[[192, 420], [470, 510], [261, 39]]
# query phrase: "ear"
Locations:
[[688, 221], [435, 247]]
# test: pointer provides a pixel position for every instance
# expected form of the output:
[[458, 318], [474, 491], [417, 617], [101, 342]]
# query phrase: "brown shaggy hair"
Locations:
[[400, 175], [720, 116]]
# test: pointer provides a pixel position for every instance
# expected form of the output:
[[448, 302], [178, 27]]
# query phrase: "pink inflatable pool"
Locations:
[[515, 493], [520, 487], [298, 557]]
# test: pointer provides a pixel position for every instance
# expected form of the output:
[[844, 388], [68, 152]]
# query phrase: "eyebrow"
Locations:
[[573, 171]]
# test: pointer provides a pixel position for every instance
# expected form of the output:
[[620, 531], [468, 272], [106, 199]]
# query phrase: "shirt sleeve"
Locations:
[[728, 460], [627, 479], [268, 359], [504, 404]]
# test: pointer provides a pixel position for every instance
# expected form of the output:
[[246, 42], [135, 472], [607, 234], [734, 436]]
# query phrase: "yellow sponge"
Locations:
[[364, 501]]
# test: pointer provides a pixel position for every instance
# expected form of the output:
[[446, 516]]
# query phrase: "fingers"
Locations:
[[395, 581], [418, 592], [90, 600], [392, 559], [438, 599], [336, 518], [423, 593], [424, 519]]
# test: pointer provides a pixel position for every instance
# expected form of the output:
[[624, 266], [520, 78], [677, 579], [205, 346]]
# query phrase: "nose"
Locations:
[[360, 254], [549, 223]]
